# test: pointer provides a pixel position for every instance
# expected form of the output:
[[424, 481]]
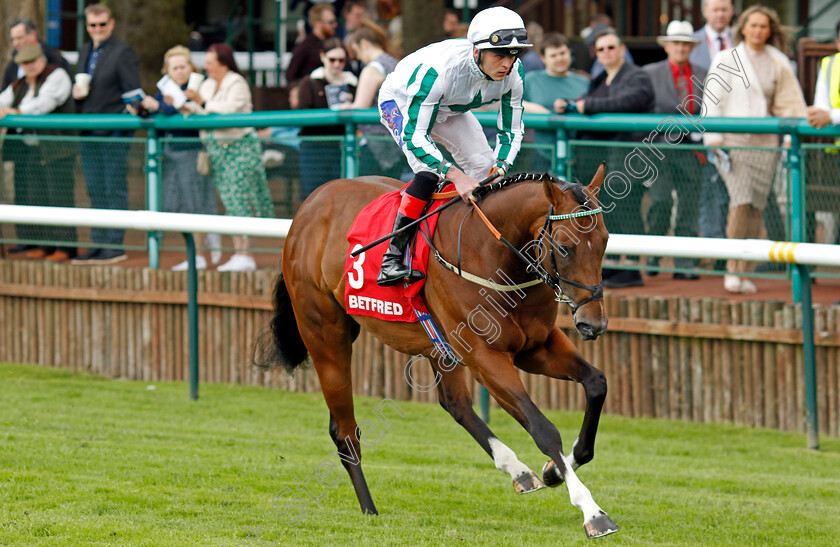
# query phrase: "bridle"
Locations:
[[554, 279], [532, 265]]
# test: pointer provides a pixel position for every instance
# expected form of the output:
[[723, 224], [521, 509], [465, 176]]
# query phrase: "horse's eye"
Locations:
[[565, 250]]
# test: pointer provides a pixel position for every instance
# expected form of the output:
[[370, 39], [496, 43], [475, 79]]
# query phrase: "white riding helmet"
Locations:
[[499, 29]]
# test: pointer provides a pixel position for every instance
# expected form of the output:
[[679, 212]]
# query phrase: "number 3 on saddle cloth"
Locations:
[[362, 295]]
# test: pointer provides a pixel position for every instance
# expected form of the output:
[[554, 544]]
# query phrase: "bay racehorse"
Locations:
[[557, 238]]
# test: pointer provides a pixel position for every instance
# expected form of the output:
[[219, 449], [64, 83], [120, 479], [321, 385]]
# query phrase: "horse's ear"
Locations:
[[598, 179], [552, 192]]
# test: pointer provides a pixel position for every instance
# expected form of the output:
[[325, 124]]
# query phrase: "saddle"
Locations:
[[362, 295]]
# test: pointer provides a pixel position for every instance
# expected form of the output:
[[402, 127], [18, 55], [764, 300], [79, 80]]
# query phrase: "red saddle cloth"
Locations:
[[362, 295]]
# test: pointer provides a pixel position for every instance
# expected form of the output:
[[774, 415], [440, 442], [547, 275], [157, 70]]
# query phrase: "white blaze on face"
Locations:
[[506, 460]]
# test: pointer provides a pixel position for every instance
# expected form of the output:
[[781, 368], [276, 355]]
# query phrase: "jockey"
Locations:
[[428, 98]]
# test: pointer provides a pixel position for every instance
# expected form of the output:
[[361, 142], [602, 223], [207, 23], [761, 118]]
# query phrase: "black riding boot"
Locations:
[[393, 270]]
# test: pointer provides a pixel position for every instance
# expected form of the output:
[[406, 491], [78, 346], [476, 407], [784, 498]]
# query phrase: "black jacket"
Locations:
[[53, 58], [312, 94], [631, 92], [306, 57], [117, 71]]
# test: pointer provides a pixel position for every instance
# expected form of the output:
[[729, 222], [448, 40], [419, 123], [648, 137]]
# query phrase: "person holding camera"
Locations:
[[554, 89]]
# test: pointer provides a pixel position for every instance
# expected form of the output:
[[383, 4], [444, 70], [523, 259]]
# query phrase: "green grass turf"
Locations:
[[91, 461]]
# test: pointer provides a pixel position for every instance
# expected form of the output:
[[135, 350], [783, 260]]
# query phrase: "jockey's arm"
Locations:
[[509, 123], [464, 184]]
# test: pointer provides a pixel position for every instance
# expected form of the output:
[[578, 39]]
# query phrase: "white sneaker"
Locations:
[[273, 158], [238, 263], [747, 287], [200, 264], [732, 283], [214, 241]]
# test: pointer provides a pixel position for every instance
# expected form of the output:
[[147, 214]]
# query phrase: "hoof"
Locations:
[[551, 474], [527, 483], [599, 526]]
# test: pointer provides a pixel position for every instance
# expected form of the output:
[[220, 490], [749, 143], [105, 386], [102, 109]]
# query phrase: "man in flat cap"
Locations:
[[23, 32], [43, 170]]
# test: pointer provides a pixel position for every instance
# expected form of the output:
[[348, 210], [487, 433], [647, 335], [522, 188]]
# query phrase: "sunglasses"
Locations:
[[98, 25], [505, 36], [606, 48], [336, 59]]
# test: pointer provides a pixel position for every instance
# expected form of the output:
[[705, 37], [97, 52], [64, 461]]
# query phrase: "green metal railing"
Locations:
[[563, 126]]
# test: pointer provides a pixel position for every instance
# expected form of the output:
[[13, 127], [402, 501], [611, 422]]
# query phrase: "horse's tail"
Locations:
[[281, 343]]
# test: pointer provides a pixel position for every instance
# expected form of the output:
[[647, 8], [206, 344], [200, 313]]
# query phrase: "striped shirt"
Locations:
[[443, 80]]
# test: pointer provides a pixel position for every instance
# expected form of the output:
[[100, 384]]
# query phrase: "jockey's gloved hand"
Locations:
[[499, 170]]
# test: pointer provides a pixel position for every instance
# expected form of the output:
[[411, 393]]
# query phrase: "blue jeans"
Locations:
[[714, 204], [104, 166]]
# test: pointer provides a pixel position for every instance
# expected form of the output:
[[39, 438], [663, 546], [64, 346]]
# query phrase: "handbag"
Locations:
[[203, 163]]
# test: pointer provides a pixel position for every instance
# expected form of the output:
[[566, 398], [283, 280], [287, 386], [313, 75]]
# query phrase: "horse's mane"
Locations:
[[577, 190]]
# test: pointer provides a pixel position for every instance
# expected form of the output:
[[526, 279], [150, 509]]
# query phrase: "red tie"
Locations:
[[682, 86], [722, 42]]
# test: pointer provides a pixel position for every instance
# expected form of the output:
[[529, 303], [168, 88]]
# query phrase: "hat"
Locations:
[[28, 54], [678, 31], [499, 28]]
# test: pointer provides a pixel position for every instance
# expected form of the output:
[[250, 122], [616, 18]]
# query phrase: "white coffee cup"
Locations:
[[83, 83], [195, 81]]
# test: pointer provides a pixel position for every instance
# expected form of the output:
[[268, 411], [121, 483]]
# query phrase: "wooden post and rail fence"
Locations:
[[699, 359], [693, 359]]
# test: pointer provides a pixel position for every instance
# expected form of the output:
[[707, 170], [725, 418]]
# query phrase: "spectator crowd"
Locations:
[[341, 60]]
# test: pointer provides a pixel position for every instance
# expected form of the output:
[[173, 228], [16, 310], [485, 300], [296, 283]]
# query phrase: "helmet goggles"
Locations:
[[506, 37]]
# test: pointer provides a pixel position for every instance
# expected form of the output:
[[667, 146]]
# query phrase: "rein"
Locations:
[[553, 279], [445, 195]]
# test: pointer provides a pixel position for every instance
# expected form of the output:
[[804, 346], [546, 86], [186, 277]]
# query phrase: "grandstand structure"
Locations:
[[264, 32]]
